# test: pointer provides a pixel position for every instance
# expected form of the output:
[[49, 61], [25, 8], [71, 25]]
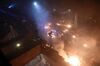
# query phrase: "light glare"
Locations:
[[73, 36], [35, 3], [85, 45], [46, 27], [68, 26], [66, 30], [58, 24], [74, 61], [18, 45]]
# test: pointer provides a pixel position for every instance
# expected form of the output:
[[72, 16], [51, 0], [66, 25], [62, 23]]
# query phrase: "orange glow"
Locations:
[[73, 36], [85, 45], [66, 30], [73, 60], [68, 26]]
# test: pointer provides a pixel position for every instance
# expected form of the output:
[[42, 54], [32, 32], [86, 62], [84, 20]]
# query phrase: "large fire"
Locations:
[[70, 43], [73, 60]]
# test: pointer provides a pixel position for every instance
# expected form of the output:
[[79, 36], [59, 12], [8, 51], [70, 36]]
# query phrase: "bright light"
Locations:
[[68, 26], [35, 3], [58, 24], [47, 45], [12, 5], [18, 45], [85, 45], [74, 61], [66, 30], [37, 6], [46, 27], [73, 36]]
